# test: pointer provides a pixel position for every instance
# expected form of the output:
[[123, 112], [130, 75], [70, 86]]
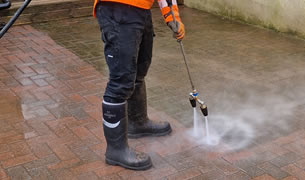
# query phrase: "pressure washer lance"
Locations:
[[194, 94]]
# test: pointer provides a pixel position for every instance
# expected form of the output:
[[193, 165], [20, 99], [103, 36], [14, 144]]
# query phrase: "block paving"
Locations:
[[50, 114]]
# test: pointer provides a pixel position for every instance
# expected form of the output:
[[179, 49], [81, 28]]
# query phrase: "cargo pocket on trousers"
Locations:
[[111, 50]]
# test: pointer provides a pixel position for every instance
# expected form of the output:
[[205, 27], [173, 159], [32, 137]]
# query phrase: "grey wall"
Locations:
[[281, 15]]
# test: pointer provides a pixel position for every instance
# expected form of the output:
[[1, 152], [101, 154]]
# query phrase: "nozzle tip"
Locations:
[[193, 101], [204, 110]]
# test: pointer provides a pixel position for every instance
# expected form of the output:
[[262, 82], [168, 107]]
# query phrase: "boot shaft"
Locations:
[[115, 124], [115, 130], [137, 104]]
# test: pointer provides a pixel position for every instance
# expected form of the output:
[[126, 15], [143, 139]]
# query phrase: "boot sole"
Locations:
[[135, 136], [115, 163]]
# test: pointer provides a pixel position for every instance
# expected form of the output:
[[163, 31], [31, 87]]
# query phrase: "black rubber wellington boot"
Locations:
[[115, 130], [139, 125]]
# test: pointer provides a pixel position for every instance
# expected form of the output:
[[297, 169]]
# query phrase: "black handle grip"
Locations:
[[169, 2]]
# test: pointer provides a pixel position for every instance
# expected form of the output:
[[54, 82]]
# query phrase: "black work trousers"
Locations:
[[127, 33]]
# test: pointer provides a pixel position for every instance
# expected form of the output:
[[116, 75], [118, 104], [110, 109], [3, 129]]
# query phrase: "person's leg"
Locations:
[[122, 34], [139, 124]]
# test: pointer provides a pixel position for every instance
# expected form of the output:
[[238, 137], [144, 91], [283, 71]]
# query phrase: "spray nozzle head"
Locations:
[[193, 98], [204, 109], [194, 93], [192, 101]]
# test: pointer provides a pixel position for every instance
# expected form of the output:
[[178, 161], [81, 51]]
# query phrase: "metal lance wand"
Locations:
[[194, 94]]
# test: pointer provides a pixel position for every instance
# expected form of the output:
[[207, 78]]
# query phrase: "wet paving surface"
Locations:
[[235, 67], [53, 76]]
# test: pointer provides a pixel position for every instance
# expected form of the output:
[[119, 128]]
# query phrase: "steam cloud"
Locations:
[[241, 117]]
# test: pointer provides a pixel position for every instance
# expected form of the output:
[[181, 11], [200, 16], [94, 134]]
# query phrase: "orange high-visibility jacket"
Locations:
[[144, 4]]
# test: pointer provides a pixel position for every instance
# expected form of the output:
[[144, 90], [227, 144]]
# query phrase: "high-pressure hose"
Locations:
[[194, 94], [14, 18], [5, 4]]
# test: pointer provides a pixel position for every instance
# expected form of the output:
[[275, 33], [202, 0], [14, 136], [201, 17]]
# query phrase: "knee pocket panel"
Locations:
[[110, 36]]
